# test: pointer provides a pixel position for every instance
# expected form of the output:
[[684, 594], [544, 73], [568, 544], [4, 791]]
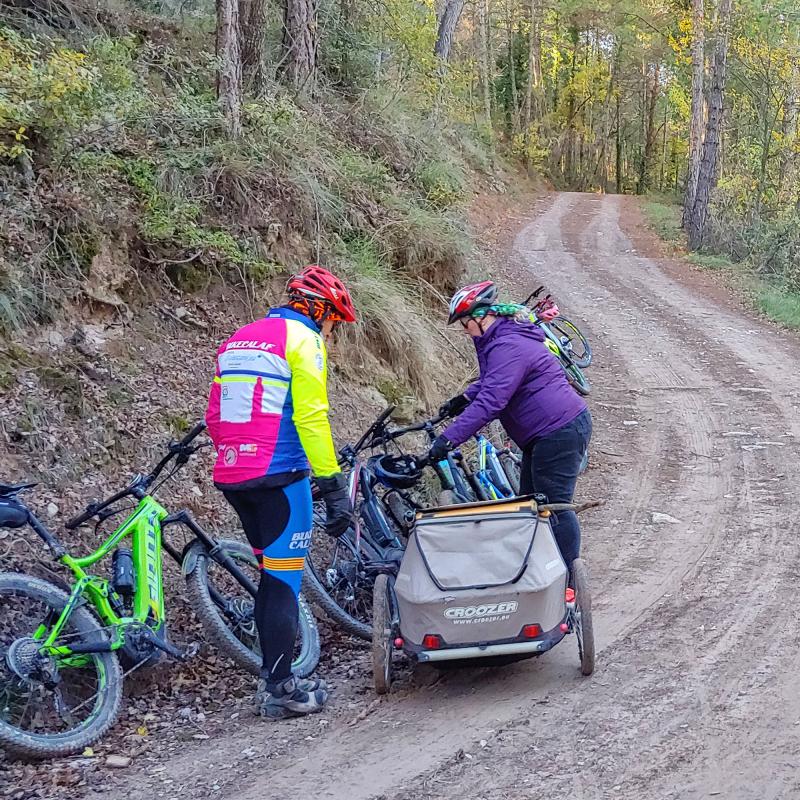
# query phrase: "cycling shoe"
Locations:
[[293, 697]]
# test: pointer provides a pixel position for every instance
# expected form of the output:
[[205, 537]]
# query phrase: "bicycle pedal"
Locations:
[[171, 650], [182, 655]]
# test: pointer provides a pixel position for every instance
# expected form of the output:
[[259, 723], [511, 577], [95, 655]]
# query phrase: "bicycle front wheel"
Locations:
[[51, 705], [336, 580], [463, 487], [227, 609], [578, 345], [513, 469]]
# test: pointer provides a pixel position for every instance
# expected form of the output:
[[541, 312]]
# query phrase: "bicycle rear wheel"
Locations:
[[226, 609], [513, 470], [578, 381], [582, 624], [447, 497], [49, 705], [382, 635], [464, 491], [578, 345]]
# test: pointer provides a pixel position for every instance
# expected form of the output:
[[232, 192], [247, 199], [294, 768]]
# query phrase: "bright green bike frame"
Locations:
[[144, 528]]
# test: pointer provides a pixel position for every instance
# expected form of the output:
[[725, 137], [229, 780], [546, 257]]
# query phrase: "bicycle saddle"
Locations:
[[12, 514]]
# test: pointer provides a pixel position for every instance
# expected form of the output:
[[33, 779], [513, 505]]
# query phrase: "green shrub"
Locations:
[[44, 89], [362, 253], [442, 182], [664, 214]]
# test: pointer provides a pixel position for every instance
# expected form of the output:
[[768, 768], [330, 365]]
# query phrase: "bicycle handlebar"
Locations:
[[179, 450], [94, 508], [370, 432], [533, 295], [192, 435], [425, 425]]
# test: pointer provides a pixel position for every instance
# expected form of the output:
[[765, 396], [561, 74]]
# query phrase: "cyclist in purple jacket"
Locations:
[[522, 384]]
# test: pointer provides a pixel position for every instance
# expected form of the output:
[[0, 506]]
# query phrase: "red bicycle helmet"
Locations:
[[316, 283], [465, 301]]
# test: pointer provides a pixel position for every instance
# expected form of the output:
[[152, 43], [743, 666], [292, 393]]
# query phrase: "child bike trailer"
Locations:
[[480, 581]]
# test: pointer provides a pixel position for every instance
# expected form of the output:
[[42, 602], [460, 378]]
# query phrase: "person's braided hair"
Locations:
[[518, 312]]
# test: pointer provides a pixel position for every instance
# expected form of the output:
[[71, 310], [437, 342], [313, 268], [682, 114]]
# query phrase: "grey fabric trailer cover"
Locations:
[[480, 573]]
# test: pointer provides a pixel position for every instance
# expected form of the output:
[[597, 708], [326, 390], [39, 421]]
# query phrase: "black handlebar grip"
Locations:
[[84, 516], [193, 433]]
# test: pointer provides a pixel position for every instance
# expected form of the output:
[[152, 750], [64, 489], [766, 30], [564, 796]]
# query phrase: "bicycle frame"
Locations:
[[381, 533], [447, 470], [144, 528], [552, 336], [490, 471]]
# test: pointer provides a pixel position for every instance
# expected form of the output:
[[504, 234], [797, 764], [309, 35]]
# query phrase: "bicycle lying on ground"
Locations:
[[60, 674]]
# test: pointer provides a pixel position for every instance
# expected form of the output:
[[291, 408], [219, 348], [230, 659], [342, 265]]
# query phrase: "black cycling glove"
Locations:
[[439, 449], [337, 504], [454, 406]]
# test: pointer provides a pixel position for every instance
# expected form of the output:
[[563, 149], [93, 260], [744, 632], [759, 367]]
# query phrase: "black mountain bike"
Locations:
[[340, 574]]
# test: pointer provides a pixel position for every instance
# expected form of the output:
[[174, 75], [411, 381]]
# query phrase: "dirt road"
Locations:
[[696, 417]]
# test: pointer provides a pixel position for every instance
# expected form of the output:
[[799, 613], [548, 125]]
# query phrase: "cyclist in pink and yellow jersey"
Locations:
[[268, 418]]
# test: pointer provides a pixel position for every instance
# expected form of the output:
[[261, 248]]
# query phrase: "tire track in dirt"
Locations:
[[697, 698]]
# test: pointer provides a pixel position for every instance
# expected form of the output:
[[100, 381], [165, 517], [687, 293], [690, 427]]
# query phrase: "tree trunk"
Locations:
[[787, 173], [484, 62], [766, 142], [664, 132], [618, 144], [606, 116], [698, 97], [489, 49], [229, 76], [513, 102], [252, 23], [484, 59], [532, 104], [569, 163], [651, 93], [300, 43], [707, 177], [447, 28], [533, 99]]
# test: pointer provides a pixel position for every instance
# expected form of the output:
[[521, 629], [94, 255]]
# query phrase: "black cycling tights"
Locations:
[[550, 466], [277, 523]]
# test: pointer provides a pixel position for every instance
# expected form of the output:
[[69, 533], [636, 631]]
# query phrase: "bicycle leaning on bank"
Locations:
[[60, 674], [385, 491]]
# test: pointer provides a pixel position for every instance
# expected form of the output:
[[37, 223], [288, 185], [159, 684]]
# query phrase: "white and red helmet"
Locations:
[[467, 300]]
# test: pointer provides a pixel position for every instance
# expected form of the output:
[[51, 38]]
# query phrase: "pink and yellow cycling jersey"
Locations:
[[268, 408]]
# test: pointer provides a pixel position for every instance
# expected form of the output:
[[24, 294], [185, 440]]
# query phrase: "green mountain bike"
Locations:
[[60, 674], [563, 338]]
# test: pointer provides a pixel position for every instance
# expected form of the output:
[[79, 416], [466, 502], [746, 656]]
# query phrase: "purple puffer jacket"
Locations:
[[521, 383]]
